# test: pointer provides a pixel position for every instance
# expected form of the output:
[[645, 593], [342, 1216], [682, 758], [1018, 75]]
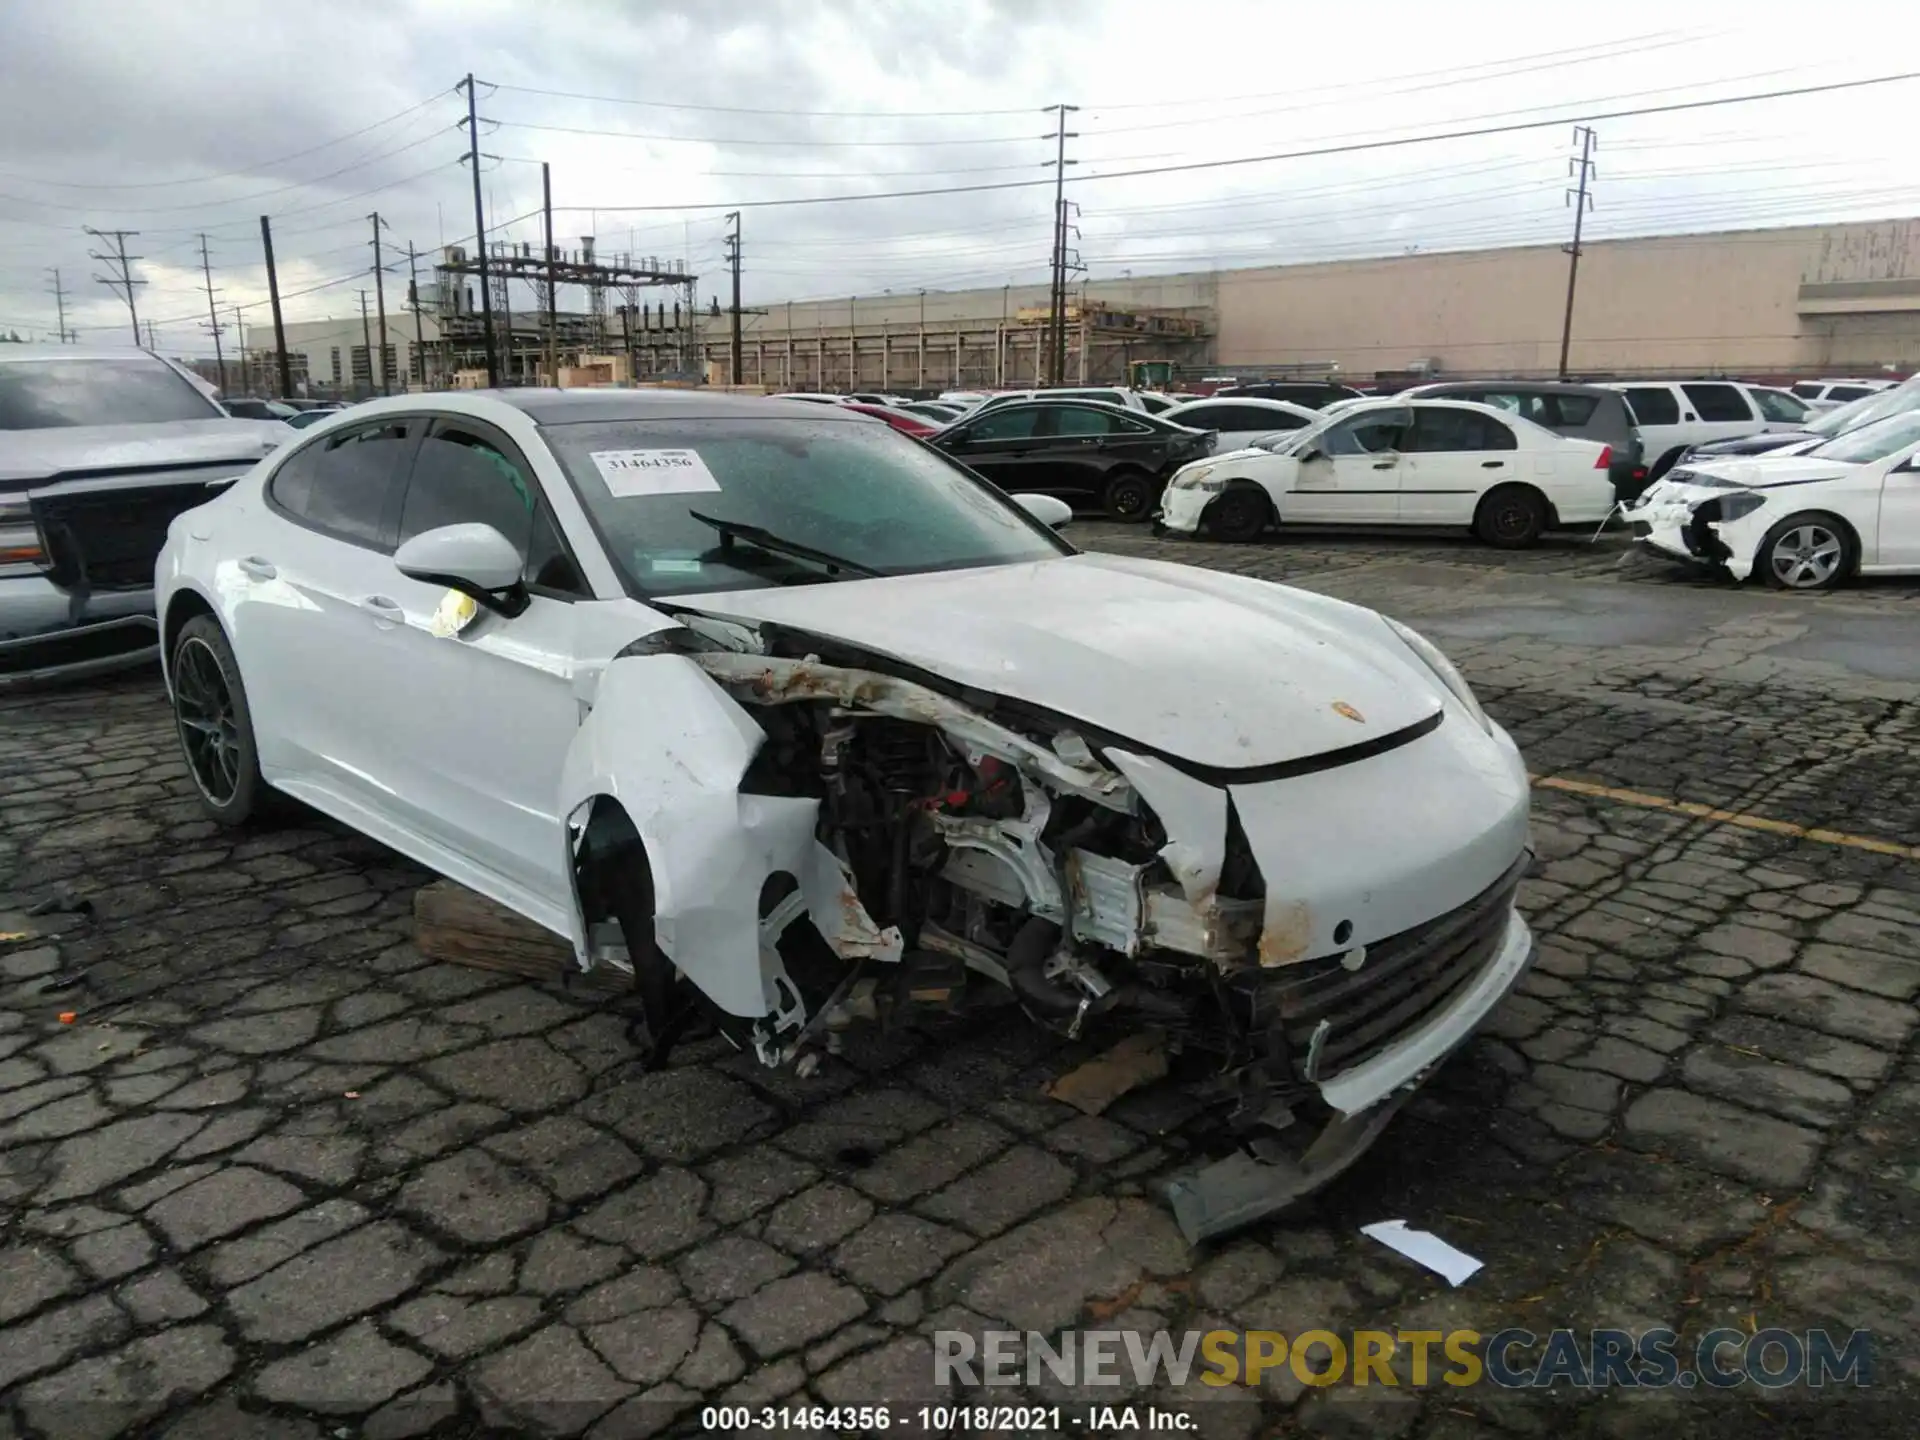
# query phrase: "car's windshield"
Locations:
[[1872, 442], [856, 491], [44, 394], [1867, 409]]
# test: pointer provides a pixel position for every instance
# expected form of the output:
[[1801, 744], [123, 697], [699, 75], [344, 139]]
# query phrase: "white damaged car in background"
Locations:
[[802, 726], [1805, 521]]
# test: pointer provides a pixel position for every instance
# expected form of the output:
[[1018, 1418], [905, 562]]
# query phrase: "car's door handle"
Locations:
[[1385, 464], [256, 568], [381, 608], [1492, 464]]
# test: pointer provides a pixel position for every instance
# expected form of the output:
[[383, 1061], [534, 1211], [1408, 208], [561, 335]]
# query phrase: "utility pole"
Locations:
[[380, 294], [417, 368], [366, 337], [733, 262], [240, 344], [213, 315], [553, 311], [1057, 297], [273, 294], [480, 231], [122, 281], [1582, 202], [152, 344], [60, 304]]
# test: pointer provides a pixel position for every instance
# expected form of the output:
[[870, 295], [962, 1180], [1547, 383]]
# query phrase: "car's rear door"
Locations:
[[1454, 457], [302, 627], [1722, 411]]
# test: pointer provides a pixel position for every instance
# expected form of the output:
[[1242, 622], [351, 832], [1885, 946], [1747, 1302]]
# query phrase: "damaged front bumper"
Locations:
[[1241, 1189]]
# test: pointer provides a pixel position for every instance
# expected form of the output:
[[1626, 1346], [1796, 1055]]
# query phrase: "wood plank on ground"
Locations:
[[454, 925]]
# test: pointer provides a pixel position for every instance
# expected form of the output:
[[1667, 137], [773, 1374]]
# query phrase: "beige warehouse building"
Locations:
[[1818, 299]]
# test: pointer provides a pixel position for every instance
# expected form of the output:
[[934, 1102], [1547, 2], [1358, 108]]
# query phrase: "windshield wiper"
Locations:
[[731, 530]]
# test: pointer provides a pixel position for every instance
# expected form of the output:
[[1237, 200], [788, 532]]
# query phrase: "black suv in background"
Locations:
[[1088, 454], [1314, 394], [1585, 412]]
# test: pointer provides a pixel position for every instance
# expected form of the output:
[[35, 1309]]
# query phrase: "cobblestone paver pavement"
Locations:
[[281, 1177]]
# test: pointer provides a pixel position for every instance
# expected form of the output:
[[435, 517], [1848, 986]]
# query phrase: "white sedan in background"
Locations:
[[1238, 421], [1806, 521], [1389, 461]]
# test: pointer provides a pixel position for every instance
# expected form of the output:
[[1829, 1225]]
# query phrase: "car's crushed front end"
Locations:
[[1309, 936], [1193, 488], [1716, 514]]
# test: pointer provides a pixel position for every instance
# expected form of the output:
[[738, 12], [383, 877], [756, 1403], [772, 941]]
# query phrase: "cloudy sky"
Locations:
[[657, 116]]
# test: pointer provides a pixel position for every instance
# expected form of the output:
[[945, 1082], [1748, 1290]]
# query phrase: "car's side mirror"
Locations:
[[477, 560], [1049, 510], [1311, 453]]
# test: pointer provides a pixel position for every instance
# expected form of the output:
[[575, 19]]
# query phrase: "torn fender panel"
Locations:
[[1194, 815], [672, 748], [1363, 851], [773, 680]]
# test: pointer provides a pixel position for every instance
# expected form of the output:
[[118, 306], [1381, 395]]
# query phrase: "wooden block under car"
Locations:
[[454, 925]]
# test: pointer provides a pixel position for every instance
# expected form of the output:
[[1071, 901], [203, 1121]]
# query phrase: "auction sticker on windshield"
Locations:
[[653, 472]]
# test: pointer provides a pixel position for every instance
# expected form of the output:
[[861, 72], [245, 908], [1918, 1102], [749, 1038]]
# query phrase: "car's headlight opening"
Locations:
[[1200, 477], [1443, 670], [1740, 504]]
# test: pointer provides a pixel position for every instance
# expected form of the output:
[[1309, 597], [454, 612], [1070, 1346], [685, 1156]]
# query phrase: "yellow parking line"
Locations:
[[1726, 817]]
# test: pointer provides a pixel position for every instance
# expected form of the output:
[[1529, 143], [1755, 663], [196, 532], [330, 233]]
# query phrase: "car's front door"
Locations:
[[1356, 470], [1897, 543], [297, 598], [485, 715], [1003, 445], [1457, 455]]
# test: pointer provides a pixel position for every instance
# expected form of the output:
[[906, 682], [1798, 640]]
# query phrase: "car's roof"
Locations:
[[1439, 388], [570, 407], [76, 352], [1254, 400]]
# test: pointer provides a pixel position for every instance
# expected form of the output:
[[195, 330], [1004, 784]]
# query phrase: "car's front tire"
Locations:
[[1239, 515], [215, 725], [1809, 551]]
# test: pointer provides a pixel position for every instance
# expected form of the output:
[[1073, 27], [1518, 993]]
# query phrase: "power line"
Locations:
[[1606, 49], [240, 199], [786, 142], [234, 174], [1479, 132]]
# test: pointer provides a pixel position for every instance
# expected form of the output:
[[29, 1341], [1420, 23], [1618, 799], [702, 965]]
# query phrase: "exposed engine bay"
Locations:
[[946, 844]]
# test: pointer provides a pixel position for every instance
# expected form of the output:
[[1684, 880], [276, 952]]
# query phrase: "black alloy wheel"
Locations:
[[214, 723]]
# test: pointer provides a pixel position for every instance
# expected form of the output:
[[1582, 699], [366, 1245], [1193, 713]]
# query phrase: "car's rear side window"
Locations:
[[1718, 402], [1848, 392], [342, 486], [1653, 405], [1570, 412]]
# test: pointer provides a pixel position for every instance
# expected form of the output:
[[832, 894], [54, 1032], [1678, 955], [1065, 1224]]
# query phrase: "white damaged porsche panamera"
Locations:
[[800, 724]]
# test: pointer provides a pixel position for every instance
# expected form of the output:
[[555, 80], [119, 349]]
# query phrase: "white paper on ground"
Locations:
[[1425, 1248], [653, 472]]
